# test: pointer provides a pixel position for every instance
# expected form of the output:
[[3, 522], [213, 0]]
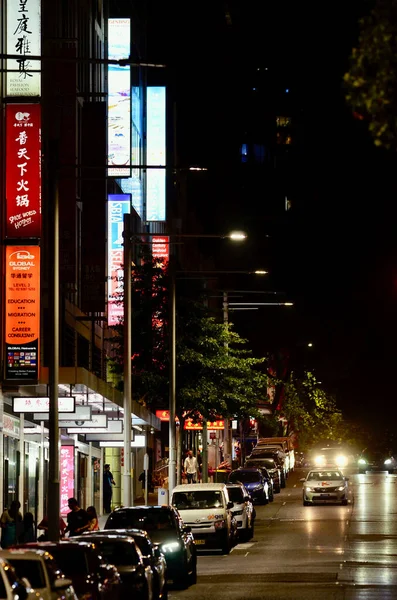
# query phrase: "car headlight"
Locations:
[[388, 461], [171, 547], [319, 460], [341, 461], [308, 488], [257, 488], [220, 524], [362, 461], [341, 488]]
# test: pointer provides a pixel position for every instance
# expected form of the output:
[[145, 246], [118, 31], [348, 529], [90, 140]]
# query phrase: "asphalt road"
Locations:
[[311, 553]]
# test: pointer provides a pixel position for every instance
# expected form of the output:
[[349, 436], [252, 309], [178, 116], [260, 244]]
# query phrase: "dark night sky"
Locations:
[[335, 254]]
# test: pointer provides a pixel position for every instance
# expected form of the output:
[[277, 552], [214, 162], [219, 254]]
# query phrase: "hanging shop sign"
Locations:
[[118, 206], [22, 312], [23, 171], [20, 404], [81, 413], [23, 40], [67, 477]]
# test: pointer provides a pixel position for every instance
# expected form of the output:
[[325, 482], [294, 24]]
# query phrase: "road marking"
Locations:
[[246, 554], [289, 494], [244, 546], [291, 520], [341, 566], [284, 503], [295, 485]]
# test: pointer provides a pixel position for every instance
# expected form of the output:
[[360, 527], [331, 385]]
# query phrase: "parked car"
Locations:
[[123, 552], [82, 562], [13, 587], [325, 485], [243, 510], [254, 481], [377, 460], [166, 528], [272, 467], [273, 453], [206, 508], [42, 572], [152, 556]]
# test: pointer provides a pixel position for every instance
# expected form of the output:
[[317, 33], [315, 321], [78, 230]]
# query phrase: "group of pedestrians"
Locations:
[[18, 529]]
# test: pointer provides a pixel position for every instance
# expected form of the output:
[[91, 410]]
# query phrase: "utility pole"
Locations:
[[172, 392], [127, 487], [227, 442]]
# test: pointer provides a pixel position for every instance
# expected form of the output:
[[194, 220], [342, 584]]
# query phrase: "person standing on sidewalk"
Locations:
[[108, 481], [190, 467]]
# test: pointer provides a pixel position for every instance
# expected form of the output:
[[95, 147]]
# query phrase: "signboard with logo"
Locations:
[[23, 170], [161, 248], [24, 40], [119, 98], [156, 153], [22, 312], [118, 206], [67, 477], [164, 415], [66, 404]]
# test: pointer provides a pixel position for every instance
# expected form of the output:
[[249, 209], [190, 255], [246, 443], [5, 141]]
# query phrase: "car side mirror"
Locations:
[[61, 583], [230, 504], [187, 529]]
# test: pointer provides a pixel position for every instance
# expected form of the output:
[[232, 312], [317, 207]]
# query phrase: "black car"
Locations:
[[123, 552], [165, 528], [376, 460], [151, 554]]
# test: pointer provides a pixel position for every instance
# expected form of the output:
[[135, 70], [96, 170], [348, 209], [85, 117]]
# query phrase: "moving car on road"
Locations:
[[376, 461], [325, 485]]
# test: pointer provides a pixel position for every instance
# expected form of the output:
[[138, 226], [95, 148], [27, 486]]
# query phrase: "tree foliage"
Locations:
[[371, 82], [216, 374]]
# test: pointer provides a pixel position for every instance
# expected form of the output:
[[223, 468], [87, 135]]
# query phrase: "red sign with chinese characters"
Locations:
[[161, 248], [67, 477], [164, 415], [23, 170]]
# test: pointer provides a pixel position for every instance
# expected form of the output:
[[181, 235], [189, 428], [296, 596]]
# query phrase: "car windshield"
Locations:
[[141, 518], [31, 569], [197, 499], [118, 553], [244, 476], [324, 475], [71, 561], [236, 494]]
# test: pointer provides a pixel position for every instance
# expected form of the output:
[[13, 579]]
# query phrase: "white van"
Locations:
[[206, 508]]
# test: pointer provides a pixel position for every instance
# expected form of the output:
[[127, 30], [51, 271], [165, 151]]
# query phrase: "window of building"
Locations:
[[284, 138], [283, 121]]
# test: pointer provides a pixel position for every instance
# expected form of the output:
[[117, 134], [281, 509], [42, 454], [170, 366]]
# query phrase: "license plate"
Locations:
[[200, 542], [324, 495]]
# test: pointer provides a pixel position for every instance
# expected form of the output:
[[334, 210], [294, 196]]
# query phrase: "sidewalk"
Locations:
[[139, 501]]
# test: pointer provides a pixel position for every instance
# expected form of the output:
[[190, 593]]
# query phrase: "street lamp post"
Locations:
[[127, 391]]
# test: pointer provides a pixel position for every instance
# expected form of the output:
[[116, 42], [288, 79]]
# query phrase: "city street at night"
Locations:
[[328, 552]]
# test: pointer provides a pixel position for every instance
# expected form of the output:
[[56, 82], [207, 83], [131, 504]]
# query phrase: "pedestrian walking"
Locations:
[[190, 467], [11, 525], [77, 518], [108, 482]]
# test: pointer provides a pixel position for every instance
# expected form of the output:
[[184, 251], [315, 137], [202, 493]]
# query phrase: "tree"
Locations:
[[371, 82]]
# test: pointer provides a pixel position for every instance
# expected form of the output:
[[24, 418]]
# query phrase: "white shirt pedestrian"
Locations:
[[190, 467]]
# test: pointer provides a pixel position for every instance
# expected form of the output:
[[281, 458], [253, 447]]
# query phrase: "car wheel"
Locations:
[[264, 499], [283, 484], [226, 546], [164, 595], [193, 573], [344, 502], [277, 489], [391, 471], [271, 496], [251, 530], [306, 503]]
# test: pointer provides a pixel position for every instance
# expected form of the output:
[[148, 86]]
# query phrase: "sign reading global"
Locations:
[[22, 317]]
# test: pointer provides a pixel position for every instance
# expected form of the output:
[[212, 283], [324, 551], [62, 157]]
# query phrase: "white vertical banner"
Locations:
[[23, 39]]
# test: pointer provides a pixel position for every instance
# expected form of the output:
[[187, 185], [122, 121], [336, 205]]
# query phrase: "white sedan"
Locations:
[[325, 485], [243, 510]]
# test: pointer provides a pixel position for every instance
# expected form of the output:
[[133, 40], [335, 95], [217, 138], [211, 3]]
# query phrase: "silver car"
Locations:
[[325, 485]]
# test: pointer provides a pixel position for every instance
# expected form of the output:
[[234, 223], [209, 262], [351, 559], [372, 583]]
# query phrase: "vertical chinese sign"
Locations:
[[67, 478], [23, 41], [23, 170], [22, 318], [118, 206]]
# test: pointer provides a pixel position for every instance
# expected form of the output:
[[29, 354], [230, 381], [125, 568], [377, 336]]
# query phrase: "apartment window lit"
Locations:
[[283, 121], [284, 138]]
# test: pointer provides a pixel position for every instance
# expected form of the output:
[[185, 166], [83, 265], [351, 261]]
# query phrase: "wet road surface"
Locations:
[[322, 552]]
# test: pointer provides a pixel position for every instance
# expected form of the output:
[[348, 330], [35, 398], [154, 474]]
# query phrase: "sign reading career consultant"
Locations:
[[23, 41], [22, 318]]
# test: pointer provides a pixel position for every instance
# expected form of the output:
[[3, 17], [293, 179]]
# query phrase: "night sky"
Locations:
[[334, 253]]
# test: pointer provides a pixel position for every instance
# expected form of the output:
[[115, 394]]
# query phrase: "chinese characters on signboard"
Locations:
[[23, 404], [67, 477], [22, 312], [156, 153], [164, 415], [23, 41], [161, 248], [23, 170], [118, 206], [119, 98]]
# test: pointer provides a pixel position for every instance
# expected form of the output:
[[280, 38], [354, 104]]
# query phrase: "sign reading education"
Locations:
[[22, 312], [23, 41], [23, 170]]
